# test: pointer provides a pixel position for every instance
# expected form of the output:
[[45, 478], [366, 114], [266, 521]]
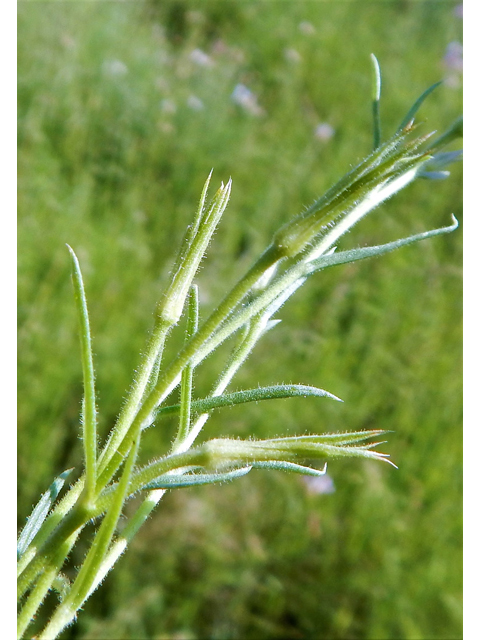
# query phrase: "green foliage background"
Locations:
[[119, 124]]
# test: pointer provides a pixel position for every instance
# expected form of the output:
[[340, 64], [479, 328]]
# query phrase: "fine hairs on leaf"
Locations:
[[300, 249]]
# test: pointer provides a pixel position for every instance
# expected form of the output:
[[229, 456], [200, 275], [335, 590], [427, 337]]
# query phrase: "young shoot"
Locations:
[[302, 248]]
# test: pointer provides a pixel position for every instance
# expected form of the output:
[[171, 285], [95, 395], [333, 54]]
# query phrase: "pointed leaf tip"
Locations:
[[291, 467], [407, 122], [178, 481], [205, 405], [377, 81]]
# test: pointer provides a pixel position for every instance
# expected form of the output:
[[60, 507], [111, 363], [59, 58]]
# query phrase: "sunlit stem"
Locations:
[[114, 456], [44, 584], [120, 544], [66, 611], [168, 312], [153, 355]]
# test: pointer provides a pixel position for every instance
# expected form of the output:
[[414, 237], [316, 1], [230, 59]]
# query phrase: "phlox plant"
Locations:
[[300, 249]]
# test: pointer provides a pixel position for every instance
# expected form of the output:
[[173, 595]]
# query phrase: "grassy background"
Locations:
[[119, 124]]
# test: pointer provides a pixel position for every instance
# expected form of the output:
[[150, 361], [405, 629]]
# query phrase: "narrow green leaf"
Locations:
[[171, 306], [417, 104], [434, 169], [376, 90], [249, 395], [249, 336], [338, 439], [116, 549], [192, 229], [434, 175], [452, 133], [443, 159], [192, 232], [40, 512], [190, 480], [186, 383], [291, 467], [332, 444], [352, 255], [177, 481], [89, 418]]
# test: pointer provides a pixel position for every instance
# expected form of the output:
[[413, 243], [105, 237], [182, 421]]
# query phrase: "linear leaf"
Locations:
[[178, 481], [171, 306], [290, 466], [40, 512], [249, 395], [434, 169], [344, 257], [376, 90], [89, 410], [434, 175], [186, 382], [349, 437], [452, 133], [417, 104]]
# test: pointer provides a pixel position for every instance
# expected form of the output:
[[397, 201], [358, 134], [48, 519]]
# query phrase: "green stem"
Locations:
[[237, 358], [44, 584], [113, 456], [66, 611], [153, 355], [120, 544], [73, 521], [191, 458], [373, 178]]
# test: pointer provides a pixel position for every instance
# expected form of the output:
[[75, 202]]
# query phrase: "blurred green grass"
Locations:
[[121, 117]]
